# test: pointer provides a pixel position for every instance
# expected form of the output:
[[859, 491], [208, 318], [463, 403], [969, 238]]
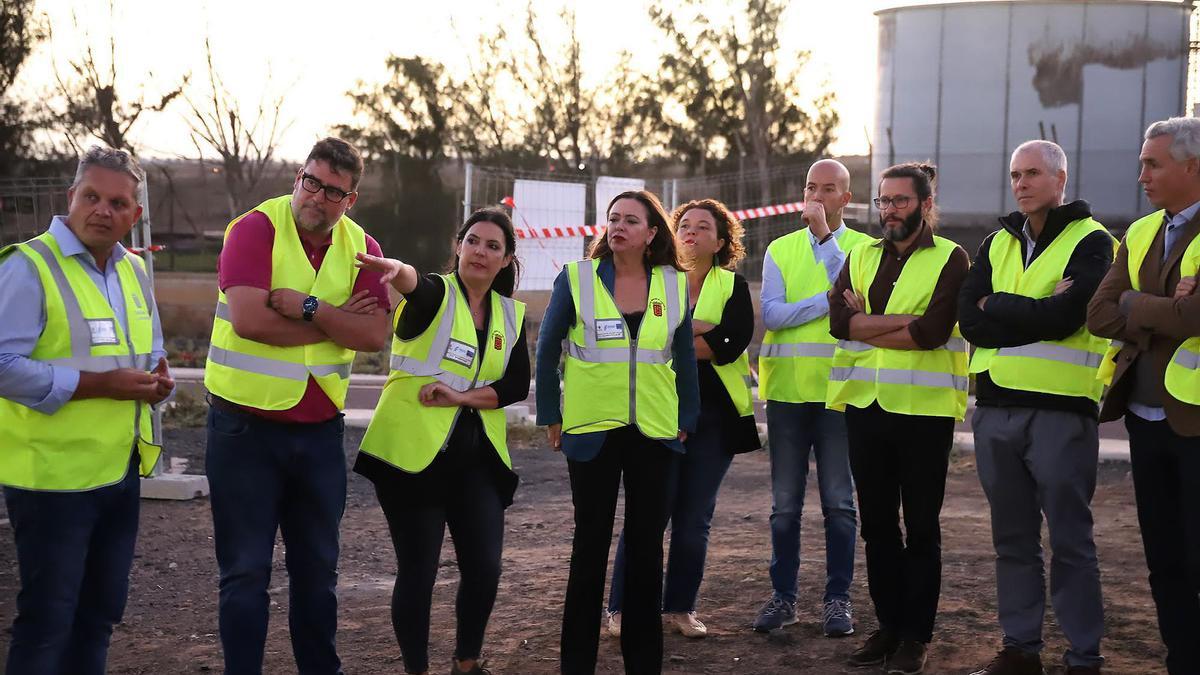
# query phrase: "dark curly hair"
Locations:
[[729, 228], [924, 179]]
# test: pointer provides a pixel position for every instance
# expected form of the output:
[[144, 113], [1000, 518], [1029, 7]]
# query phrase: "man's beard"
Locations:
[[905, 229]]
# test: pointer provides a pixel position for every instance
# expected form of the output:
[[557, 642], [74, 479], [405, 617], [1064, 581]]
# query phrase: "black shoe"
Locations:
[[908, 659], [878, 647], [1013, 661]]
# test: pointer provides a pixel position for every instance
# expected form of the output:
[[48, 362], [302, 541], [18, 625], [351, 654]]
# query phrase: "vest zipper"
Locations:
[[459, 409]]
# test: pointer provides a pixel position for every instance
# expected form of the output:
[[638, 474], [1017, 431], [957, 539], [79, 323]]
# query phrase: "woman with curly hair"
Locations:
[[710, 243]]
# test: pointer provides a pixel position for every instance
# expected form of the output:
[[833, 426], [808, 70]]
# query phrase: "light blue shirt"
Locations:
[[36, 384], [1175, 225], [777, 312]]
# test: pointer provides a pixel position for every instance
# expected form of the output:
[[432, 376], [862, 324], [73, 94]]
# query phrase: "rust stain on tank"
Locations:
[[1058, 69]]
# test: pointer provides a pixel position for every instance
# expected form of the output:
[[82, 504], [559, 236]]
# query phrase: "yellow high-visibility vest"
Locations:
[[407, 434], [267, 377], [710, 306], [86, 443], [909, 382], [612, 378], [794, 363], [1064, 367]]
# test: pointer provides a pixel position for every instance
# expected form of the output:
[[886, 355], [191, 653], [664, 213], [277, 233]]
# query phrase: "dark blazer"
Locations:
[[1152, 324]]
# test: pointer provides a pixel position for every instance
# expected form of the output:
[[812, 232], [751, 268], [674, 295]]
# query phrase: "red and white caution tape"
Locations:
[[597, 230], [139, 250]]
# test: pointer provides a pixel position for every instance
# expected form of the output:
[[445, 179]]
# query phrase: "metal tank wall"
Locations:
[[962, 84]]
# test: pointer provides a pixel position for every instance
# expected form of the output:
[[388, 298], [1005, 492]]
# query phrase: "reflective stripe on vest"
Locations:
[[1064, 367], [613, 378], [735, 376], [794, 362], [408, 434], [1182, 376], [863, 374], [86, 443], [268, 377]]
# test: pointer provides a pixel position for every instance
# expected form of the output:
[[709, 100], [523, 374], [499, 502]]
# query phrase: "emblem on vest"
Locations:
[[497, 341], [657, 307]]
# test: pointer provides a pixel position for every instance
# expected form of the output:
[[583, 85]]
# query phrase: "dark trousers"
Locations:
[[901, 460], [695, 482], [475, 516], [1166, 484], [646, 466], [74, 551], [265, 477]]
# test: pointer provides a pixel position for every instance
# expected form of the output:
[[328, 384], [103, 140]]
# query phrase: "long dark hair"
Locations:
[[661, 250], [507, 278]]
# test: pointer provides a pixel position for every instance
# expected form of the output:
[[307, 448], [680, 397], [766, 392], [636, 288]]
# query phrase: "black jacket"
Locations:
[[1012, 320]]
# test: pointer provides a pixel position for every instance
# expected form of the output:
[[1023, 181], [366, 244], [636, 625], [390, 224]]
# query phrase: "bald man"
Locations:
[[797, 354]]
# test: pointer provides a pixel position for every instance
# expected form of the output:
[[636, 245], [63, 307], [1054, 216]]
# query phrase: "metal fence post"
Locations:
[[467, 176], [144, 240]]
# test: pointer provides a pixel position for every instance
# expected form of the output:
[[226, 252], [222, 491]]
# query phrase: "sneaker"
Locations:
[[908, 659], [686, 623], [878, 647], [774, 615], [1013, 661], [614, 624], [839, 622]]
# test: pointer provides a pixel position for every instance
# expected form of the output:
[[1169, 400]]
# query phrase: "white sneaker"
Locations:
[[614, 624], [687, 624]]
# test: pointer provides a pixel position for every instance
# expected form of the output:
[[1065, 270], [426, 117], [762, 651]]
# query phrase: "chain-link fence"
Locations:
[[550, 200], [28, 204]]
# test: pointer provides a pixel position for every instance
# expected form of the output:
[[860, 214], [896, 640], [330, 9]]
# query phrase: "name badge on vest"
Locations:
[[460, 353], [610, 329], [104, 332]]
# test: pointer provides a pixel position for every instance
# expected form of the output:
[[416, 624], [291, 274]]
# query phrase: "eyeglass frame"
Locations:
[[882, 203], [322, 187]]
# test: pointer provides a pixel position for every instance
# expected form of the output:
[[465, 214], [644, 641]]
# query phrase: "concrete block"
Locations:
[[359, 418], [178, 486], [516, 414]]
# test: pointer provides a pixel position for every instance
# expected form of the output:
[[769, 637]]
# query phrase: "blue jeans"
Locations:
[[266, 476], [696, 479], [74, 551], [793, 430]]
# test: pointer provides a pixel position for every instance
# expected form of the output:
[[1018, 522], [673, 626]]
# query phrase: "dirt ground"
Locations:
[[170, 624]]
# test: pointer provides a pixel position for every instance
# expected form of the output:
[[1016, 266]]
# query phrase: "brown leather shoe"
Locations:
[[1013, 661], [879, 645], [908, 659]]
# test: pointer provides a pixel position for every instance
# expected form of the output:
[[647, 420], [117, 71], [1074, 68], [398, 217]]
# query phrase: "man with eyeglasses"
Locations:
[[900, 374], [291, 311]]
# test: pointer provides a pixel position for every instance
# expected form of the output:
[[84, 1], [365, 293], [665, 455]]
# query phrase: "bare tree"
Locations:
[[91, 104], [244, 138]]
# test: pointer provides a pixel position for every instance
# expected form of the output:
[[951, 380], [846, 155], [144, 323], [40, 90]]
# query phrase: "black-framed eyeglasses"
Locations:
[[332, 195], [899, 202]]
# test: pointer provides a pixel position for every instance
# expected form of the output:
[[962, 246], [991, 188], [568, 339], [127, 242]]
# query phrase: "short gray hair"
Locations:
[[1184, 133], [113, 160], [1052, 154]]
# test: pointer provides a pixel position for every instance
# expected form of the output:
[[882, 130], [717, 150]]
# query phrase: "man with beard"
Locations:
[[1037, 443], [291, 312], [900, 374]]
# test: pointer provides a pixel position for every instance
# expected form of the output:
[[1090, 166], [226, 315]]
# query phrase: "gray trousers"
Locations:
[[1032, 462]]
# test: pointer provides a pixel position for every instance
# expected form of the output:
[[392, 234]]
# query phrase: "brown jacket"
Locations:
[[1152, 324]]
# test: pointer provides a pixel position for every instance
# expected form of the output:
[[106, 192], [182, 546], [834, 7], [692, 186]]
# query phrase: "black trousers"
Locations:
[[901, 460], [474, 513], [645, 465], [1166, 485]]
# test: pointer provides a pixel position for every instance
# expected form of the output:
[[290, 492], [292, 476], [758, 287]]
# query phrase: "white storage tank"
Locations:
[[964, 83]]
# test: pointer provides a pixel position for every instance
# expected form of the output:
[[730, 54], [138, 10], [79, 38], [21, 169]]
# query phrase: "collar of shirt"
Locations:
[[837, 234], [70, 245], [924, 240], [1183, 217]]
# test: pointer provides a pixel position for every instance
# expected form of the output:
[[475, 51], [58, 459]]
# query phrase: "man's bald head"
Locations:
[[829, 183]]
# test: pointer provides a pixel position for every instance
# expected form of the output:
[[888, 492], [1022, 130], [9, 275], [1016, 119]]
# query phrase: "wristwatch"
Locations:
[[310, 307]]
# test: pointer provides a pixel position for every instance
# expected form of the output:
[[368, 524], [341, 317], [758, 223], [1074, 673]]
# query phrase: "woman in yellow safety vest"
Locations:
[[630, 398], [436, 448], [710, 240]]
